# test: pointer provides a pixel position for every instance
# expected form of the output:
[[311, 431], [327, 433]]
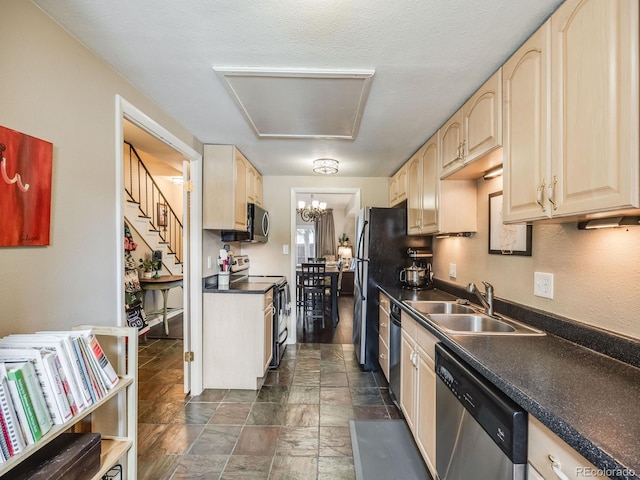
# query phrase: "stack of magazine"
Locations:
[[45, 379]]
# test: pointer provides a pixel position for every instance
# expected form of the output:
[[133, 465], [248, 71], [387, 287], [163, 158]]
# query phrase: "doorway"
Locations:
[[191, 168], [346, 204]]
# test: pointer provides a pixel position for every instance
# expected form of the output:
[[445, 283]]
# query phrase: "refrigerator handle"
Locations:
[[359, 258], [360, 245]]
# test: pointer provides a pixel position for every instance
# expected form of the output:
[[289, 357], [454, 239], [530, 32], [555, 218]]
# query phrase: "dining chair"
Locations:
[[313, 291]]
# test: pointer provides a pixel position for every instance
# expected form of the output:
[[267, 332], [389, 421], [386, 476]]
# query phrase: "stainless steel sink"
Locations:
[[471, 323], [457, 319], [430, 307]]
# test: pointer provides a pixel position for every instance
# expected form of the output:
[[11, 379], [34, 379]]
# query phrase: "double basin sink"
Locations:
[[457, 319]]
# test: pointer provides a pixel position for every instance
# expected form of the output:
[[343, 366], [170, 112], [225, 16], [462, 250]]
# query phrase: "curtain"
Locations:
[[326, 239]]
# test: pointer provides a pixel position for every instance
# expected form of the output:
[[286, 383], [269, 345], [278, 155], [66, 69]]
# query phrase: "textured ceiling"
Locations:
[[428, 57]]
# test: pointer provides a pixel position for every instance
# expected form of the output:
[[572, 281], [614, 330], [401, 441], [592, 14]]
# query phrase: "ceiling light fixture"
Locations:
[[313, 212], [325, 166], [177, 180]]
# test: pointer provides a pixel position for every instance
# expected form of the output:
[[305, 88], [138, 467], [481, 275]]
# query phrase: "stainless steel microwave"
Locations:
[[257, 227], [258, 223]]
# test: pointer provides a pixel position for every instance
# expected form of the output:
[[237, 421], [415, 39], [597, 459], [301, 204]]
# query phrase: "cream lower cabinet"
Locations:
[[418, 387], [591, 89], [237, 339], [550, 457], [384, 310]]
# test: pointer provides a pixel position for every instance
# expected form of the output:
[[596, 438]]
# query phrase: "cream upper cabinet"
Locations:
[[254, 186], [451, 144], [435, 205], [422, 189], [430, 180], [594, 115], [398, 187], [240, 198], [591, 91], [230, 182], [526, 128], [482, 115], [472, 132], [414, 194]]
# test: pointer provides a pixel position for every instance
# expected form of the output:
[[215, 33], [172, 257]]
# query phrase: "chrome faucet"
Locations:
[[486, 299]]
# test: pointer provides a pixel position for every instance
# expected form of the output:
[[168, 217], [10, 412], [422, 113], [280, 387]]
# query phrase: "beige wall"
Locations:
[[596, 272], [55, 89]]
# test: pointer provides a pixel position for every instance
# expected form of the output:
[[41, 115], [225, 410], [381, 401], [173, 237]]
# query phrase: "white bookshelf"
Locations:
[[115, 449]]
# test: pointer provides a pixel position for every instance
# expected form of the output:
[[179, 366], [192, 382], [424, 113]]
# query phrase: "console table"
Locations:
[[163, 283]]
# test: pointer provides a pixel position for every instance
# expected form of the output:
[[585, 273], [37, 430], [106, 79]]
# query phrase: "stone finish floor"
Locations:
[[295, 427]]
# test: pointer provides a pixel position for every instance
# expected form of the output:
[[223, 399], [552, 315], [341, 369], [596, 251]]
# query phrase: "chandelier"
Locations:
[[325, 166], [313, 212]]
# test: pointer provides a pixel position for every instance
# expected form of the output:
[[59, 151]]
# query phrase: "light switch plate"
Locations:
[[452, 270], [543, 284], [285, 249]]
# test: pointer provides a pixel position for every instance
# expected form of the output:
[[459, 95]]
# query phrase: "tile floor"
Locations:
[[295, 427]]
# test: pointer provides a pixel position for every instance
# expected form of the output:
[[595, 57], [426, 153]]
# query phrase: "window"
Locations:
[[305, 243]]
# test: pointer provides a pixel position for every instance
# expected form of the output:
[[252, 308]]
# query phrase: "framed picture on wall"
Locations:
[[162, 214], [506, 239]]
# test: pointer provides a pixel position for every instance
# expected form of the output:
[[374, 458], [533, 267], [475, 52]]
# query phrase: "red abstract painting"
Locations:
[[25, 189]]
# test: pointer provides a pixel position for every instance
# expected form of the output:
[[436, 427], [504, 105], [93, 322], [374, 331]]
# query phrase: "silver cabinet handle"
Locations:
[[551, 192]]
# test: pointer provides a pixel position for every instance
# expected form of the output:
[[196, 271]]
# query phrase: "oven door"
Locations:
[[281, 318]]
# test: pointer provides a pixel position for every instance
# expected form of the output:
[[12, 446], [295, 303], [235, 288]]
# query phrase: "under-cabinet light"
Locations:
[[609, 222], [496, 172]]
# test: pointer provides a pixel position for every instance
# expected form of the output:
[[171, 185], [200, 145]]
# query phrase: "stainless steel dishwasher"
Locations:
[[480, 432], [395, 336]]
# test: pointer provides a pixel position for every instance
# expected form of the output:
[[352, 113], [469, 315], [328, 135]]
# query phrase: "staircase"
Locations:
[[148, 212]]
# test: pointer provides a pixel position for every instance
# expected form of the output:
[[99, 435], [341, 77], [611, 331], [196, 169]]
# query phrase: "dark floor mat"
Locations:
[[385, 450]]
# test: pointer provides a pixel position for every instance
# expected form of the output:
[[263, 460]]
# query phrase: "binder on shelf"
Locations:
[[28, 371], [18, 385], [10, 417]]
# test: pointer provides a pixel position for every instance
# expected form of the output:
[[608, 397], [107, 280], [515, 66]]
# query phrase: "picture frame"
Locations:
[[506, 239], [163, 212]]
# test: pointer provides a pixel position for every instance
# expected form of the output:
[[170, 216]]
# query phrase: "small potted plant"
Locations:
[[148, 267]]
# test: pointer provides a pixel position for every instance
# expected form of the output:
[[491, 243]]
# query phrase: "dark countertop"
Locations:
[[588, 399], [241, 287]]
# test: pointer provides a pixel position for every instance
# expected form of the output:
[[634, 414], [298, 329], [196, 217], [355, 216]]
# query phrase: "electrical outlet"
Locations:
[[452, 270], [543, 284]]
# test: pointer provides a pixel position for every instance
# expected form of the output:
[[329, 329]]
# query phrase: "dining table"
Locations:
[[332, 274]]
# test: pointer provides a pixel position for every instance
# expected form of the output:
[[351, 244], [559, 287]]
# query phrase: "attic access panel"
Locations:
[[299, 103]]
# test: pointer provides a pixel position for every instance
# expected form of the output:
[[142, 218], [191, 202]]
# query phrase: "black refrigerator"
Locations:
[[381, 253]]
